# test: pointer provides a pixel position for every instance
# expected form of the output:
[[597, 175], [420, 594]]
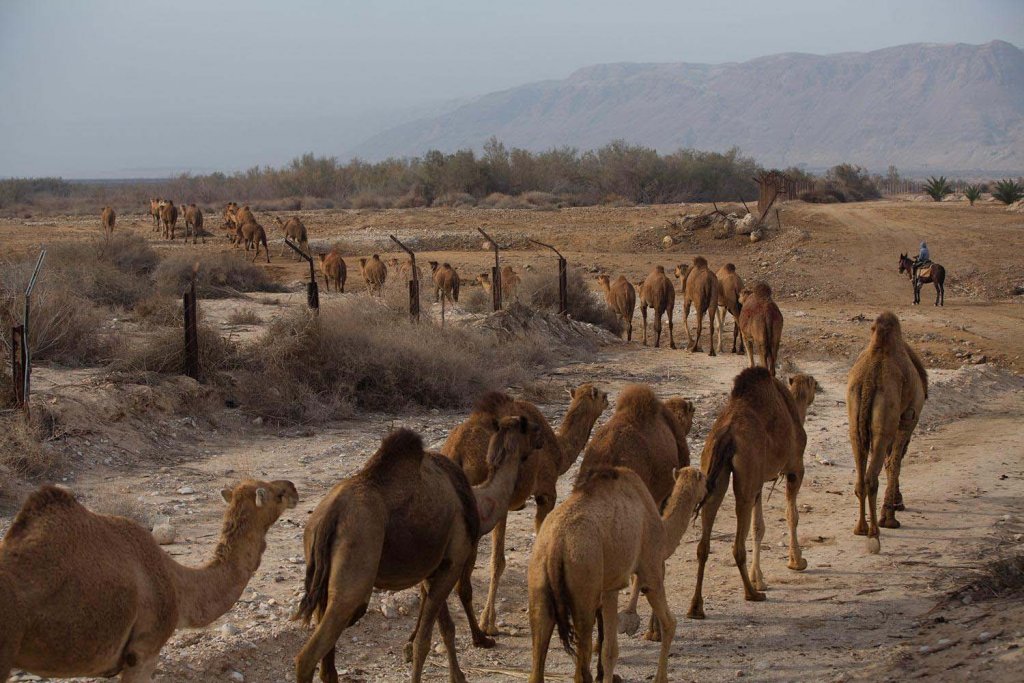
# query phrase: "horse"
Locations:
[[932, 272]]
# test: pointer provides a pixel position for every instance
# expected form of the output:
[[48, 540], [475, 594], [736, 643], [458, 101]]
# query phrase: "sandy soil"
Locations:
[[851, 615]]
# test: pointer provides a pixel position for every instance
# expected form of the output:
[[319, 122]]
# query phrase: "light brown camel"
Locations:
[[730, 286], [375, 273], [758, 437], [193, 222], [649, 438], [509, 283], [621, 299], [107, 219], [84, 594], [241, 216], [154, 211], [467, 445], [885, 393], [699, 288], [230, 212], [607, 530], [405, 269], [446, 282], [485, 281], [252, 234], [295, 230], [760, 324], [407, 518], [332, 265], [658, 294], [168, 218]]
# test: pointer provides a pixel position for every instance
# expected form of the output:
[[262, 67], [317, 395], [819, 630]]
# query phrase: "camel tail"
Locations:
[[865, 406], [720, 465], [557, 596], [318, 571]]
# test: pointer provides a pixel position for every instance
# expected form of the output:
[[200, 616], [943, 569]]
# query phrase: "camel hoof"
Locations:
[[861, 529], [874, 545], [672, 345], [899, 507], [712, 353], [759, 584], [697, 613], [484, 642], [629, 623], [653, 636], [889, 523], [798, 566], [756, 596]]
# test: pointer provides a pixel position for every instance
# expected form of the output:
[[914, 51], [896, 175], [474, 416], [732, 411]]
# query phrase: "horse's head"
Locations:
[[905, 263]]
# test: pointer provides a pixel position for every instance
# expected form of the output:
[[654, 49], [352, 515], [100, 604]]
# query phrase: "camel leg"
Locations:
[[328, 667], [879, 448], [142, 672], [419, 620], [439, 587], [629, 328], [542, 625], [583, 616], [893, 500], [707, 521], [695, 347], [609, 653], [671, 333], [757, 577], [643, 314], [628, 620], [447, 628], [793, 482], [720, 312], [657, 328], [545, 499], [744, 509], [465, 590], [686, 322], [750, 353], [711, 332], [489, 617]]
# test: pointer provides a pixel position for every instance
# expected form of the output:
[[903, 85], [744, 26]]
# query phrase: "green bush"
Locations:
[[1008, 191], [972, 193], [937, 188]]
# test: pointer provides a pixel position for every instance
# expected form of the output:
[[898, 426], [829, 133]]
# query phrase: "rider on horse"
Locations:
[[923, 259]]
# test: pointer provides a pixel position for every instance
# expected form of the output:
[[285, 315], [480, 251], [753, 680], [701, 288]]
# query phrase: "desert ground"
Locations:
[[935, 603]]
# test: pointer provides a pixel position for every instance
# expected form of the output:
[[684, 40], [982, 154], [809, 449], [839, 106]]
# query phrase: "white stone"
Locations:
[[228, 629], [186, 490], [236, 676], [164, 534]]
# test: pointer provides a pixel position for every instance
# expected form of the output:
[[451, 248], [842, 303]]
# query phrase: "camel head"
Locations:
[[659, 269], [604, 281], [744, 295], [321, 256], [484, 278], [589, 395], [885, 328], [362, 262], [681, 271], [433, 266], [803, 387], [690, 486], [513, 436], [260, 502], [683, 411]]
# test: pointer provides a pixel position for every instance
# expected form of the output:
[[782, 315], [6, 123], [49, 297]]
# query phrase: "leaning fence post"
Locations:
[[414, 284], [22, 360], [495, 272], [563, 284], [312, 288], [191, 330]]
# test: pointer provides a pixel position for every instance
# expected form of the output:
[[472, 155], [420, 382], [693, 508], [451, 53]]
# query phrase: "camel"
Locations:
[[885, 393], [607, 530], [230, 211], [700, 288], [758, 437], [509, 283], [932, 272], [649, 438], [332, 265], [538, 476], [658, 294], [240, 217], [85, 594], [193, 222], [295, 230], [168, 218], [407, 518], [407, 271], [107, 219], [251, 234], [446, 282], [375, 273], [154, 211], [730, 285], [621, 298], [485, 281], [760, 324]]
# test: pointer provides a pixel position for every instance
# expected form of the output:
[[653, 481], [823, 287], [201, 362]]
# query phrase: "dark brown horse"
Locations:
[[933, 272]]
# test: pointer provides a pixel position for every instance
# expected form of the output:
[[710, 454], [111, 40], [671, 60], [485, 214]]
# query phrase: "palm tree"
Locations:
[[1008, 191], [973, 193], [937, 188]]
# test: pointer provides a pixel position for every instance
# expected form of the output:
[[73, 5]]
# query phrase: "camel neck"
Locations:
[[676, 519], [205, 593], [493, 496], [573, 434]]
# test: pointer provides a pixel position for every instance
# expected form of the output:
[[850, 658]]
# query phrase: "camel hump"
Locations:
[[45, 501], [638, 402], [594, 477], [751, 382], [730, 267], [401, 447], [700, 262], [886, 328], [493, 403], [763, 289]]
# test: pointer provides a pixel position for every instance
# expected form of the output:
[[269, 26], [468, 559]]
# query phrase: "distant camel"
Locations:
[[169, 218], [885, 393], [332, 265], [295, 230], [107, 218], [658, 294], [154, 211], [446, 282], [375, 273], [700, 288], [252, 234], [932, 272], [730, 286], [509, 283], [621, 299], [193, 222], [760, 324]]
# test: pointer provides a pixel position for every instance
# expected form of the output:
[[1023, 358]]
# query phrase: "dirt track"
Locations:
[[850, 615]]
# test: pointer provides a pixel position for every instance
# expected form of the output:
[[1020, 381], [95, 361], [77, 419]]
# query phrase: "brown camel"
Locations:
[[700, 288], [446, 282], [252, 234], [509, 283], [407, 518], [485, 281], [730, 286], [85, 594], [607, 530], [375, 273], [193, 222], [538, 476], [154, 211], [107, 219], [295, 230], [885, 393], [621, 299], [658, 294], [230, 212], [758, 437], [649, 438], [168, 218], [332, 265], [241, 216], [760, 324]]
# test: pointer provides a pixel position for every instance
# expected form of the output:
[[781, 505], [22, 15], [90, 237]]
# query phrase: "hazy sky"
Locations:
[[106, 88]]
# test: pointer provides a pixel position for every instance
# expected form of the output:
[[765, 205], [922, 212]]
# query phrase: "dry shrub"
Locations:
[[540, 289], [544, 200], [477, 300], [160, 311], [497, 200], [122, 505], [217, 275], [617, 201], [361, 354], [455, 200], [108, 272], [367, 200], [164, 352], [22, 454], [244, 316], [410, 200]]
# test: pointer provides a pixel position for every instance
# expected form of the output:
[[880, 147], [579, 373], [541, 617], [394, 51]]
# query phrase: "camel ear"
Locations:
[[225, 493], [675, 473], [261, 497]]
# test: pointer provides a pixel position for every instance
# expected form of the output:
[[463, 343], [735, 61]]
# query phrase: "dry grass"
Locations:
[[455, 200], [22, 455], [497, 200], [217, 275], [244, 316], [164, 352], [122, 505], [539, 288]]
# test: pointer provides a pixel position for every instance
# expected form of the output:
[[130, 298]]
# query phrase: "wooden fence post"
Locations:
[[495, 272], [21, 347], [18, 364], [312, 288], [563, 280], [414, 284], [191, 331]]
